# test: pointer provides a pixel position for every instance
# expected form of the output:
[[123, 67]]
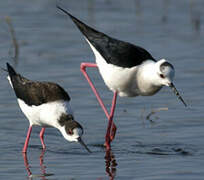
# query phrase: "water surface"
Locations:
[[168, 146]]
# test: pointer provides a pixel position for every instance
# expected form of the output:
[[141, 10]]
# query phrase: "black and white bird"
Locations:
[[45, 104], [127, 70]]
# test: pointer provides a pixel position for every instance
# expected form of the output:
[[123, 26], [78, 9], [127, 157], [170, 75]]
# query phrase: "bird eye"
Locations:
[[162, 76], [70, 132]]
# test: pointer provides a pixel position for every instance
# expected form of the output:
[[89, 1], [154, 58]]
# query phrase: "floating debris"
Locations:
[[155, 111], [40, 175]]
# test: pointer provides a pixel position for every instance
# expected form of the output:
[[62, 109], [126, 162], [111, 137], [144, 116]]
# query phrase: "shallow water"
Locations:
[[168, 146]]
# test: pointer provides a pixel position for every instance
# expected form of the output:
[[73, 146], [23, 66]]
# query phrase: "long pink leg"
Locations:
[[114, 128], [42, 137], [27, 139], [110, 121], [83, 69]]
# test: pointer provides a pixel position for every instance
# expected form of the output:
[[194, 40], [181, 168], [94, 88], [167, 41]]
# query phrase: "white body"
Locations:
[[45, 115], [48, 115], [139, 80]]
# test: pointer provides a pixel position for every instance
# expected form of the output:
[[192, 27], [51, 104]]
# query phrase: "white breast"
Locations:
[[46, 114], [116, 78], [147, 79]]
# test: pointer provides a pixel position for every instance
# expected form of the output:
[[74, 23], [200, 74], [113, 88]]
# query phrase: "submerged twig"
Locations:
[[14, 40], [155, 111]]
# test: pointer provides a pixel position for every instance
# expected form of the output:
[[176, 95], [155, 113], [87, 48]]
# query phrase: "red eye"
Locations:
[[162, 76], [70, 132]]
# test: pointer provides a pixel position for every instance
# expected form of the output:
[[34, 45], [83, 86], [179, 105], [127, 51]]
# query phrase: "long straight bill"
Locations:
[[83, 144], [177, 93]]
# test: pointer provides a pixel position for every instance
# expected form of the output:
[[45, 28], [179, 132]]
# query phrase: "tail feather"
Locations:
[[11, 70], [87, 31]]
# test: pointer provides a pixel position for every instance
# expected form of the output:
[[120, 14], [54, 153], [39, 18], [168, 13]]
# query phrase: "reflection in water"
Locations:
[[195, 16], [42, 167], [26, 164], [91, 11], [108, 2], [110, 164], [165, 11], [138, 7], [14, 40]]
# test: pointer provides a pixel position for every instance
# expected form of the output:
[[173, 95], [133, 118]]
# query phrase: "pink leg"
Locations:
[[113, 129], [83, 69], [42, 137], [110, 123], [27, 140]]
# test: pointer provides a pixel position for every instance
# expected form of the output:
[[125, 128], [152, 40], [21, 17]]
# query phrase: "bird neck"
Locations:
[[147, 78]]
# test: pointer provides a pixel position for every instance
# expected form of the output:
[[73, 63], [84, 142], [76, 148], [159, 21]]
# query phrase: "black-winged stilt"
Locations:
[[45, 104], [127, 69]]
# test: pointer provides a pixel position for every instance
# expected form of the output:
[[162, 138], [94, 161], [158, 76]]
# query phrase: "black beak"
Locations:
[[171, 85], [83, 144]]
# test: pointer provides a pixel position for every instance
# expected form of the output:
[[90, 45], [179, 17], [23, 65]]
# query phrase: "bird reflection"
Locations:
[[110, 164], [42, 167], [26, 164]]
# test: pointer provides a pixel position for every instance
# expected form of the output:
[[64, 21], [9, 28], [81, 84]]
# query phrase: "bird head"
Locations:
[[165, 75], [71, 129], [165, 72]]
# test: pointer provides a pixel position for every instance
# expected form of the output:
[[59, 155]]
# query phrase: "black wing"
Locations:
[[34, 92], [114, 51]]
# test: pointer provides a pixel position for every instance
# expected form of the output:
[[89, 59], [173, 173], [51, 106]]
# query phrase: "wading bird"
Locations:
[[45, 104], [127, 70]]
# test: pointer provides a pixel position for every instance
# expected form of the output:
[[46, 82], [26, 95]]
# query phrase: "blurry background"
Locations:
[[168, 145]]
